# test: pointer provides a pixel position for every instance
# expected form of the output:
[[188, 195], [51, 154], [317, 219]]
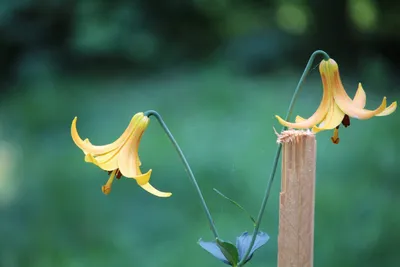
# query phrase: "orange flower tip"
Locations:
[[106, 189], [335, 140]]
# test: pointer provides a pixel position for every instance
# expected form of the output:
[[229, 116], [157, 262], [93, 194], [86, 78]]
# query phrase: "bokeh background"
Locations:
[[218, 71]]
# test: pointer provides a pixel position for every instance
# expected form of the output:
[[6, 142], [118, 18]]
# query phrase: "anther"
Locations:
[[346, 121]]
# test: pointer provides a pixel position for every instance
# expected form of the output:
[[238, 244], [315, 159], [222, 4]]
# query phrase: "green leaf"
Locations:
[[237, 205], [229, 250]]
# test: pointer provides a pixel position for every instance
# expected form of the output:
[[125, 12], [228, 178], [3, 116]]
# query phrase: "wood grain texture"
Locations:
[[297, 199]]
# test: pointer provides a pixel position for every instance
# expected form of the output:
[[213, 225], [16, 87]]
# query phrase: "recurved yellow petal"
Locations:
[[316, 118], [360, 98], [149, 188], [88, 148], [389, 110], [143, 181], [345, 103], [143, 178]]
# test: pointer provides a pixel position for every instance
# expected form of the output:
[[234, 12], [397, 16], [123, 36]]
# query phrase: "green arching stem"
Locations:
[[278, 151], [187, 167]]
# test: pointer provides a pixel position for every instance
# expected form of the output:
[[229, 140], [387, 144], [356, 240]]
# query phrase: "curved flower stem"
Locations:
[[187, 167], [278, 151]]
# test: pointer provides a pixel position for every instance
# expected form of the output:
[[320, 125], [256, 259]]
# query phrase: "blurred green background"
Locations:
[[218, 71]]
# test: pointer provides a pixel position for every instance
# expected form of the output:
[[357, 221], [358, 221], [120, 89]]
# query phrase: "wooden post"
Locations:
[[297, 199]]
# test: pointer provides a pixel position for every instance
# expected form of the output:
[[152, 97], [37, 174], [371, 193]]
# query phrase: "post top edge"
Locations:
[[292, 135]]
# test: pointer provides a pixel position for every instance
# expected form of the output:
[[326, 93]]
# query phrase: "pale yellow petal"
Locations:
[[332, 120], [87, 147], [316, 118], [128, 158], [346, 104], [149, 188], [143, 181], [389, 110], [143, 178], [360, 98], [107, 162]]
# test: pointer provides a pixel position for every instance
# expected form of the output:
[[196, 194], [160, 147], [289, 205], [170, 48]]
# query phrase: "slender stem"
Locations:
[[187, 167], [278, 152]]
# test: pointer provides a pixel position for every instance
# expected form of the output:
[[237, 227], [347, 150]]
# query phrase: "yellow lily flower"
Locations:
[[336, 106], [121, 157]]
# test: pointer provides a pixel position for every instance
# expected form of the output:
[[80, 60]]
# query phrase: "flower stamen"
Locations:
[[335, 138], [107, 187]]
